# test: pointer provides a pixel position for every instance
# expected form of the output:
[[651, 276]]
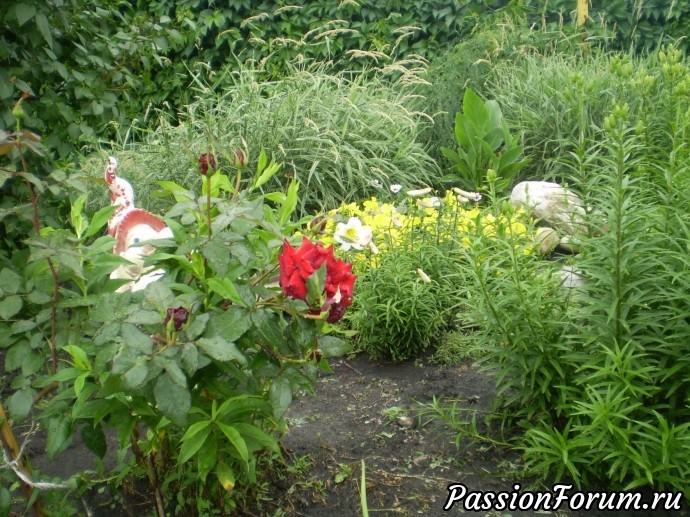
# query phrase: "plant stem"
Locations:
[[51, 265], [9, 442]]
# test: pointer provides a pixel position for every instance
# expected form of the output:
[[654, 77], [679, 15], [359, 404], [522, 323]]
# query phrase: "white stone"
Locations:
[[551, 203]]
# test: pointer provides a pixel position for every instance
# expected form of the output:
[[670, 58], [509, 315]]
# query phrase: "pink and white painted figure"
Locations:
[[131, 227]]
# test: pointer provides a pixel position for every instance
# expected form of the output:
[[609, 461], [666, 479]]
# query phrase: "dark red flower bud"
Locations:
[[179, 316], [207, 161], [239, 159]]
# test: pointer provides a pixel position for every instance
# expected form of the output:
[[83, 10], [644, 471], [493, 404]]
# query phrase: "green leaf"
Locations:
[[10, 306], [257, 439], [230, 325], [226, 477], [280, 394], [266, 174], [189, 357], [197, 326], [159, 295], [44, 28], [79, 357], [24, 12], [235, 439], [76, 217], [173, 369], [226, 289], [94, 438], [135, 339], [99, 220], [190, 447], [221, 350], [218, 255], [288, 206], [16, 355], [136, 375], [10, 281], [332, 346], [59, 435], [173, 400], [19, 404]]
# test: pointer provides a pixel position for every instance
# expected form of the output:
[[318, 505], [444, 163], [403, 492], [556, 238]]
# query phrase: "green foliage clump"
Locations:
[[598, 374], [339, 136], [192, 374]]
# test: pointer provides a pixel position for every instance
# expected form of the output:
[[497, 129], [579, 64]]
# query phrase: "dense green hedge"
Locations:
[[95, 66]]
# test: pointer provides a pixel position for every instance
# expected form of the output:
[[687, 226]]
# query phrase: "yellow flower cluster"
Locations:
[[421, 220]]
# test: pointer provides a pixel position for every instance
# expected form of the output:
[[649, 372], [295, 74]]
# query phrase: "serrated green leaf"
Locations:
[[10, 281], [145, 318], [221, 350], [332, 346], [16, 354], [226, 289], [79, 357], [189, 357], [230, 325], [135, 339], [20, 403], [10, 306], [197, 326], [173, 400], [59, 435], [280, 394], [159, 295], [172, 368], [136, 375], [218, 256]]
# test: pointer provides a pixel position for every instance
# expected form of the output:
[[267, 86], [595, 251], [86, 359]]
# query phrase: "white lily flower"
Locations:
[[425, 278], [470, 196], [429, 202], [353, 234], [395, 188], [419, 192]]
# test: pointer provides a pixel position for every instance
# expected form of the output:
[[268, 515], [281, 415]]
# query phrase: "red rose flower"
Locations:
[[298, 264], [207, 160]]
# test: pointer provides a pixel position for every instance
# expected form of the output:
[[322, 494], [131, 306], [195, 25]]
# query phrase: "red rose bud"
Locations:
[[179, 316], [207, 161], [239, 159]]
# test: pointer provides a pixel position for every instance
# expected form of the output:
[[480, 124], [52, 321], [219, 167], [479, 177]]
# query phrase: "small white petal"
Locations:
[[419, 192], [395, 188], [425, 278]]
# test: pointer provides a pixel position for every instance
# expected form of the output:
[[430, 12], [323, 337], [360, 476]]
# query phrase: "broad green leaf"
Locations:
[[230, 325], [136, 375], [174, 371], [10, 306], [189, 357], [9, 281], [16, 355], [99, 220], [173, 400], [280, 394], [197, 326], [59, 434], [332, 346], [20, 403], [221, 350], [267, 325], [159, 295], [94, 438], [24, 12], [266, 174], [218, 256], [257, 439], [76, 217], [288, 206], [135, 339]]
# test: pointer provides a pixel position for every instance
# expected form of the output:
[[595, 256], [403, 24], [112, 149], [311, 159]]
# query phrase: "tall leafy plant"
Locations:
[[484, 143]]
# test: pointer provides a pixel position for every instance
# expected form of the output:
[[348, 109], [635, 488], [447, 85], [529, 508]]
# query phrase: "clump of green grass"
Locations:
[[343, 136]]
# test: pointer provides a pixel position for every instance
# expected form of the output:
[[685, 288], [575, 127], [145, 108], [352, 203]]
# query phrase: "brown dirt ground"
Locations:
[[367, 411]]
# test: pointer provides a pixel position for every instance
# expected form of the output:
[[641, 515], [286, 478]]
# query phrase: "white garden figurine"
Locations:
[[132, 226]]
